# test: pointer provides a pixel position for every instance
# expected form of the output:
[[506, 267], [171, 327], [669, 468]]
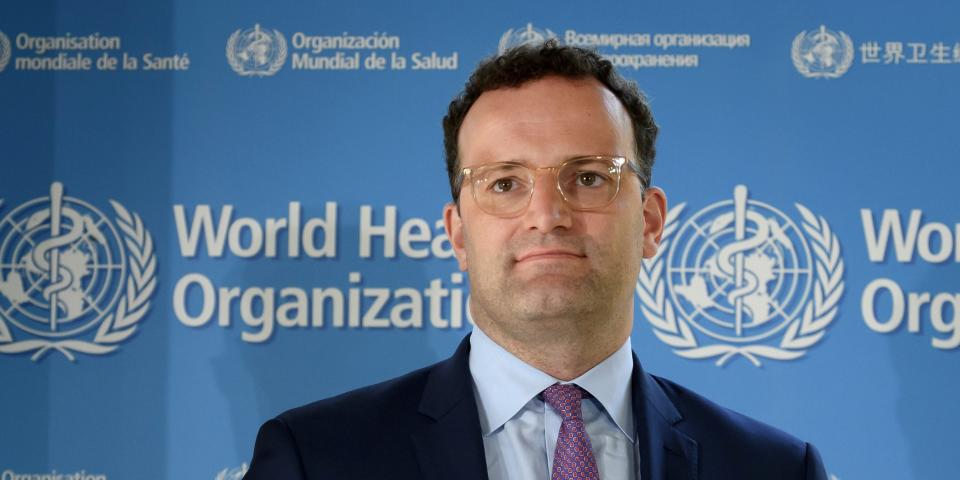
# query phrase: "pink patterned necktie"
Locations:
[[573, 458]]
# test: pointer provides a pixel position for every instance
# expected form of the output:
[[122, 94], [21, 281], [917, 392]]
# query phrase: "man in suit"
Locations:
[[549, 153]]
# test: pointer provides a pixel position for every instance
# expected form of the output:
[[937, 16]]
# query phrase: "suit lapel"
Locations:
[[451, 446], [665, 452]]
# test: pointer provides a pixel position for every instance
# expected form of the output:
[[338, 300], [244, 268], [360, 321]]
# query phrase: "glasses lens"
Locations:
[[502, 189], [589, 183]]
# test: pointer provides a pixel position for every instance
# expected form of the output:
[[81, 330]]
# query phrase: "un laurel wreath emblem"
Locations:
[[822, 53], [235, 473], [66, 271], [529, 35], [4, 51], [256, 51], [740, 278]]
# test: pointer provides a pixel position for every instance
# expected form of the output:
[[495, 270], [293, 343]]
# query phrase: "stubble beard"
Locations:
[[549, 301]]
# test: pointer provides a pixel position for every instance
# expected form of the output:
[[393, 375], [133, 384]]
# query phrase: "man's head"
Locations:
[[531, 62], [550, 265]]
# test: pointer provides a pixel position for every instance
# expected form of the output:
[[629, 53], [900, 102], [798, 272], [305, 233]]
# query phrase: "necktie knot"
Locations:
[[565, 400]]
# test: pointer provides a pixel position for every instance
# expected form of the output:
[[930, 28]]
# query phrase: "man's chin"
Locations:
[[548, 284], [554, 297], [554, 274]]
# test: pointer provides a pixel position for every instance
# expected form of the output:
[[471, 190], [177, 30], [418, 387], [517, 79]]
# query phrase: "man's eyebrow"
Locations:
[[511, 161], [526, 163]]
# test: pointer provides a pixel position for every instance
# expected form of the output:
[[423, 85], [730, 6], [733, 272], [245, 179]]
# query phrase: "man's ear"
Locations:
[[454, 228], [654, 217]]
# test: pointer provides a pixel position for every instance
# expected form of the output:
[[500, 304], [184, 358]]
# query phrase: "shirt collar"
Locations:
[[504, 383]]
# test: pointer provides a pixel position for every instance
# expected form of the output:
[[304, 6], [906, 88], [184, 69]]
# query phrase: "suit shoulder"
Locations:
[[334, 437], [708, 420], [733, 445], [361, 408]]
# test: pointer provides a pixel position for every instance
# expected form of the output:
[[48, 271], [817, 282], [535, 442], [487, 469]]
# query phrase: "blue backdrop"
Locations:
[[213, 212]]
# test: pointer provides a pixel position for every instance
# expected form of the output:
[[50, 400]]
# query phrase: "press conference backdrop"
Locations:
[[213, 212]]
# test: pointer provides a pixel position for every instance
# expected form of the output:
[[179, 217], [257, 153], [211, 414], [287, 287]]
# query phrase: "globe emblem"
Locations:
[[4, 51], [235, 473], [528, 35], [65, 269], [61, 265], [741, 278], [256, 51], [822, 53], [740, 270]]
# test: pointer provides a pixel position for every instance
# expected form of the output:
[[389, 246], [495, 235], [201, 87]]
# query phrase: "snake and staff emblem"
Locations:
[[256, 51], [65, 268], [741, 276]]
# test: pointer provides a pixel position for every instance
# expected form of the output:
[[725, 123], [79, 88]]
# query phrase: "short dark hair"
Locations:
[[528, 62]]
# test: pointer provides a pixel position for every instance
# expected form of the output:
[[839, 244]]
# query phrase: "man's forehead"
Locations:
[[568, 113], [544, 92]]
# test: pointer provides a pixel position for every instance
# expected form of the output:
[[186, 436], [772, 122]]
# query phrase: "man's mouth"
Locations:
[[538, 254]]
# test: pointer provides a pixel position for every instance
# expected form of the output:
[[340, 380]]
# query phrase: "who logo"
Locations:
[[235, 473], [822, 53], [5, 51], [529, 35], [71, 278], [256, 52], [741, 278]]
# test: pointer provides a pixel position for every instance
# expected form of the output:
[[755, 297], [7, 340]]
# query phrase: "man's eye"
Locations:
[[590, 179], [503, 185]]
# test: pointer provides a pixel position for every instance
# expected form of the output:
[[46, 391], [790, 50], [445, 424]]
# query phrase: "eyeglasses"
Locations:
[[504, 189]]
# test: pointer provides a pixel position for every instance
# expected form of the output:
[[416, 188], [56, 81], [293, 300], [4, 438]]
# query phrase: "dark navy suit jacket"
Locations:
[[425, 425]]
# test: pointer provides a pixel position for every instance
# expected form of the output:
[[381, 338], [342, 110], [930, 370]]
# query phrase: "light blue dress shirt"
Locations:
[[520, 429]]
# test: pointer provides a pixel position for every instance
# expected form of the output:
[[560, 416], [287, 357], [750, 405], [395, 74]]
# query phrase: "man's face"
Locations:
[[551, 261]]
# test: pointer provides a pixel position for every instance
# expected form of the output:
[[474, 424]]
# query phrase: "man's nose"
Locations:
[[547, 210]]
